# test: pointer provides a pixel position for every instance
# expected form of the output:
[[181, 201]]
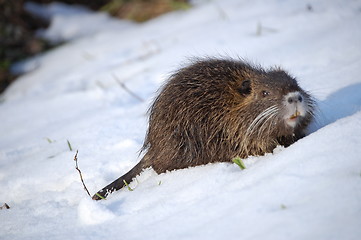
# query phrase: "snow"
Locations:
[[79, 21], [310, 190]]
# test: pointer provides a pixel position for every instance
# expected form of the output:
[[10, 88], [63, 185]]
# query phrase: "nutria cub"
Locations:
[[214, 110]]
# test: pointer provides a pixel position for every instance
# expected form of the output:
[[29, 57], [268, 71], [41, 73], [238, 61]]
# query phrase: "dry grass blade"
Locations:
[[122, 85], [5, 206]]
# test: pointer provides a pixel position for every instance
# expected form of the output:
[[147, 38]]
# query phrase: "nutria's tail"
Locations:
[[119, 183]]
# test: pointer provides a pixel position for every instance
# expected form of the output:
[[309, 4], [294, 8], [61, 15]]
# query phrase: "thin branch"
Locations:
[[81, 176], [122, 85]]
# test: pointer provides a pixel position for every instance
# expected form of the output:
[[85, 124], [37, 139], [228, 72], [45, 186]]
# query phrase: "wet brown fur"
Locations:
[[203, 114]]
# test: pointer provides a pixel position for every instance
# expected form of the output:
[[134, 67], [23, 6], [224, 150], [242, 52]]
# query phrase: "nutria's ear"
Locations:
[[245, 88]]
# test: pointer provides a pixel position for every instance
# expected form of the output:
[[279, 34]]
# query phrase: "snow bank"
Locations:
[[75, 93]]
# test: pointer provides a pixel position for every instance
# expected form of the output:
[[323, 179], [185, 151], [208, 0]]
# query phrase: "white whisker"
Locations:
[[265, 126], [261, 118]]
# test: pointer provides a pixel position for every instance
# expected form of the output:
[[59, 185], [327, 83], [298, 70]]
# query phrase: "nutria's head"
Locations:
[[279, 106]]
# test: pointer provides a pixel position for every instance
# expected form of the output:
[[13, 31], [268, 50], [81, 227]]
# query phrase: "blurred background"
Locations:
[[18, 25]]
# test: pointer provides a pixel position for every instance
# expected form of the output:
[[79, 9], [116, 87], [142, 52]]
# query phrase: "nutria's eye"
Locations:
[[265, 93], [245, 88]]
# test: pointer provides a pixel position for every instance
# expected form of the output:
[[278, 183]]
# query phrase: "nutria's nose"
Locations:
[[294, 98]]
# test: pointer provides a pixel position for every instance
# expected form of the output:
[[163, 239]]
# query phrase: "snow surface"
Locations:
[[79, 21], [310, 190]]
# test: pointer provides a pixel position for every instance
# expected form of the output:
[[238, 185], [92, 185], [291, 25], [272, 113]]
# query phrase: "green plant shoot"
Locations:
[[239, 162]]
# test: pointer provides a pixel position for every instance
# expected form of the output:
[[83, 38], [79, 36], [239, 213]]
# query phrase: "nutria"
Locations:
[[216, 109]]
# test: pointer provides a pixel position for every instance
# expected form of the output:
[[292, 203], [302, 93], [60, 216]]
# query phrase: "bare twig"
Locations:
[[81, 176], [5, 206], [122, 85]]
